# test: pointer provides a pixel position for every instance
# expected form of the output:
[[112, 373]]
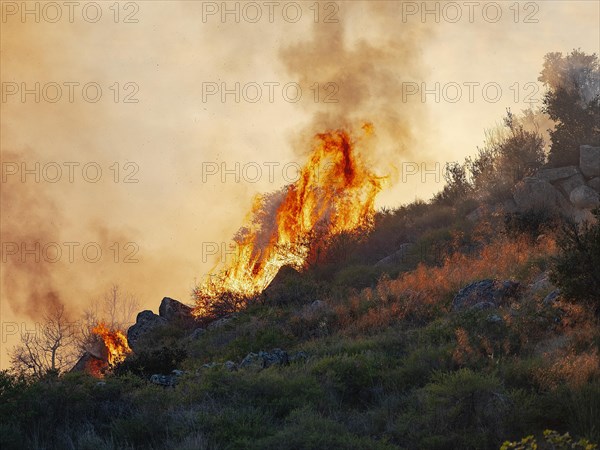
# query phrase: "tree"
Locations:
[[573, 102], [51, 348], [116, 309], [577, 267]]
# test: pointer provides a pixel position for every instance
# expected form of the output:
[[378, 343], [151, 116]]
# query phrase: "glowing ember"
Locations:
[[115, 343], [335, 193]]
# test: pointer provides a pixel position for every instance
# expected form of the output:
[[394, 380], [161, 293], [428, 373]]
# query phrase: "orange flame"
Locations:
[[115, 342], [335, 193]]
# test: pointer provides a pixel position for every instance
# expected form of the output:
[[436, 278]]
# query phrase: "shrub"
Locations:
[[577, 267]]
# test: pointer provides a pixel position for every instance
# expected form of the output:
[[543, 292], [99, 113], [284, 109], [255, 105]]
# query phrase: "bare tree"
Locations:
[[116, 309], [51, 348]]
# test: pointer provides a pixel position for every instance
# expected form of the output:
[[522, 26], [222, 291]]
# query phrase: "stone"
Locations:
[[298, 357], [571, 183], [144, 323], [197, 333], [251, 360], [532, 193], [398, 256], [589, 160], [557, 173], [480, 293], [220, 323], [175, 311], [594, 183], [230, 365], [164, 380], [262, 360], [494, 318], [481, 306], [551, 298], [584, 197]]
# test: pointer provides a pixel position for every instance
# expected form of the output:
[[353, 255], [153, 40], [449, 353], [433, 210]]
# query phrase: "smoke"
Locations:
[[370, 73]]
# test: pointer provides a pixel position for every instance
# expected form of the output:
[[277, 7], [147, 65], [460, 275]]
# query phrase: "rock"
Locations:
[[589, 160], [251, 361], [397, 257], [167, 380], [276, 357], [482, 305], [557, 173], [163, 380], [209, 365], [298, 357], [571, 183], [494, 318], [145, 322], [197, 333], [594, 183], [584, 197], [534, 194], [175, 311], [220, 323], [101, 383], [230, 365], [90, 364], [550, 299], [262, 360], [485, 291]]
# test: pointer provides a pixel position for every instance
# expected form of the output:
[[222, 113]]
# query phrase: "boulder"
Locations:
[[175, 311], [398, 256], [534, 193], [594, 183], [557, 173], [567, 185], [197, 333], [584, 197], [145, 322], [167, 380], [262, 360], [484, 292], [589, 160]]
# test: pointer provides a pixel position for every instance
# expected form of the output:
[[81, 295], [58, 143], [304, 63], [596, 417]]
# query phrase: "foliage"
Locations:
[[577, 267], [573, 102]]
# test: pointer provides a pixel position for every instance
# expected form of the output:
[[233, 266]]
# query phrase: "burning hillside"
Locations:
[[335, 193]]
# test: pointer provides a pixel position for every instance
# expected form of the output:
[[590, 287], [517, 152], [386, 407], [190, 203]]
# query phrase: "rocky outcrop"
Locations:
[[536, 193], [175, 311], [584, 197], [485, 294], [557, 173], [170, 311], [589, 160], [145, 322], [571, 191]]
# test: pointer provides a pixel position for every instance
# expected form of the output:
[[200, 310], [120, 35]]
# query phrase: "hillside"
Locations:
[[451, 333]]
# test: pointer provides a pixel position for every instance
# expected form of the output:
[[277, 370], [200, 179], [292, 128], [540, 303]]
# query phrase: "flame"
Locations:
[[115, 343], [335, 193]]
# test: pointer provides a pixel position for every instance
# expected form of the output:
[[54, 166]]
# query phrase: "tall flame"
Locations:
[[335, 193], [115, 342]]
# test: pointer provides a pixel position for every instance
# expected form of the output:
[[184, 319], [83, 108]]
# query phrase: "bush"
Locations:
[[577, 267], [529, 223]]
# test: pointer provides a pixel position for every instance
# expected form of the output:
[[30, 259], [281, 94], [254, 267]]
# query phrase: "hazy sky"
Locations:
[[169, 57]]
